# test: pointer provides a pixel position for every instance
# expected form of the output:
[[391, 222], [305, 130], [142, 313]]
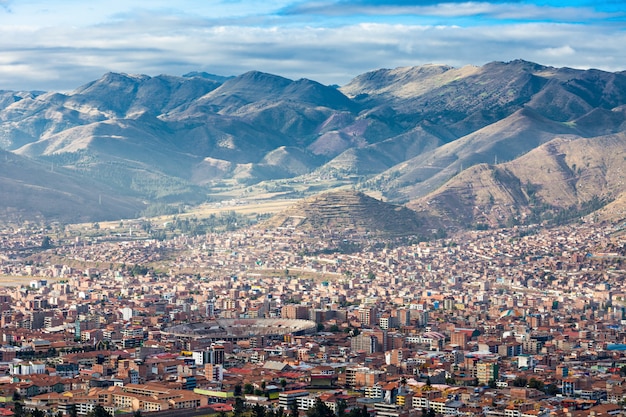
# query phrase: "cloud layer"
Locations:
[[329, 41]]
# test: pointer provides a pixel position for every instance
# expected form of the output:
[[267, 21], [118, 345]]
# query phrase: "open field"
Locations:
[[18, 280], [245, 207]]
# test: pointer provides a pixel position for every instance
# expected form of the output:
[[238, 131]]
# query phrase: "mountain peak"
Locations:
[[400, 133]]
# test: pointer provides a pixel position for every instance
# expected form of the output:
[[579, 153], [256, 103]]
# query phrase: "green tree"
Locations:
[[73, 412], [238, 390], [99, 411], [18, 410], [38, 413], [238, 407], [293, 409], [137, 413], [536, 384], [283, 383], [520, 381], [46, 242], [258, 410], [320, 409], [248, 388], [341, 408], [551, 389]]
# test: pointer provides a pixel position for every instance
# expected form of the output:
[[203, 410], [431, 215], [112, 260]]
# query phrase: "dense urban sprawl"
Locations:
[[515, 322]]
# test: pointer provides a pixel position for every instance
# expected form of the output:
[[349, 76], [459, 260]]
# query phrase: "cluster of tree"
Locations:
[[225, 221], [550, 389], [320, 409], [556, 216], [98, 411]]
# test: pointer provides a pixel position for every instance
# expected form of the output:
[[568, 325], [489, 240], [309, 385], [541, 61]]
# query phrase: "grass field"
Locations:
[[18, 280], [244, 207]]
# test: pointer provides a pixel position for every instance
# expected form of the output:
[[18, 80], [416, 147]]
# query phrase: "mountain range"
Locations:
[[501, 144]]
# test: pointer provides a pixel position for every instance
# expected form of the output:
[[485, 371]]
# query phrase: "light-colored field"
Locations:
[[245, 207], [16, 281]]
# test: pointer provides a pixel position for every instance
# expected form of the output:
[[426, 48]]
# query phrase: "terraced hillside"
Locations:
[[349, 211]]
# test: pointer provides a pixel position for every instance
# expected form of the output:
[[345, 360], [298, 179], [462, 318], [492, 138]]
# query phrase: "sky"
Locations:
[[58, 45]]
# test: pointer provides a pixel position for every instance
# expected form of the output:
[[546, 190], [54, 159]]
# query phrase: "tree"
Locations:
[[137, 413], [18, 410], [248, 388], [320, 409], [520, 381], [258, 410], [293, 409], [341, 408], [428, 412], [99, 411], [551, 389], [46, 242], [73, 412], [238, 407], [536, 384], [237, 391], [38, 413], [283, 383]]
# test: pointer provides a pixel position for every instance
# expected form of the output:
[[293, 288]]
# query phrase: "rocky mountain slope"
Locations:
[[558, 182], [402, 132]]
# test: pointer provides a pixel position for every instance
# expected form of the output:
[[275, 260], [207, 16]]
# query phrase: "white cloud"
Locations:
[[559, 52], [64, 56]]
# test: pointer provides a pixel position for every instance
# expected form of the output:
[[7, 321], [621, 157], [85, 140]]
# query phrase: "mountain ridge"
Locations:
[[402, 132]]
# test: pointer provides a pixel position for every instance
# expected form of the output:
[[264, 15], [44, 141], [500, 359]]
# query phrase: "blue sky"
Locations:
[[59, 45]]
